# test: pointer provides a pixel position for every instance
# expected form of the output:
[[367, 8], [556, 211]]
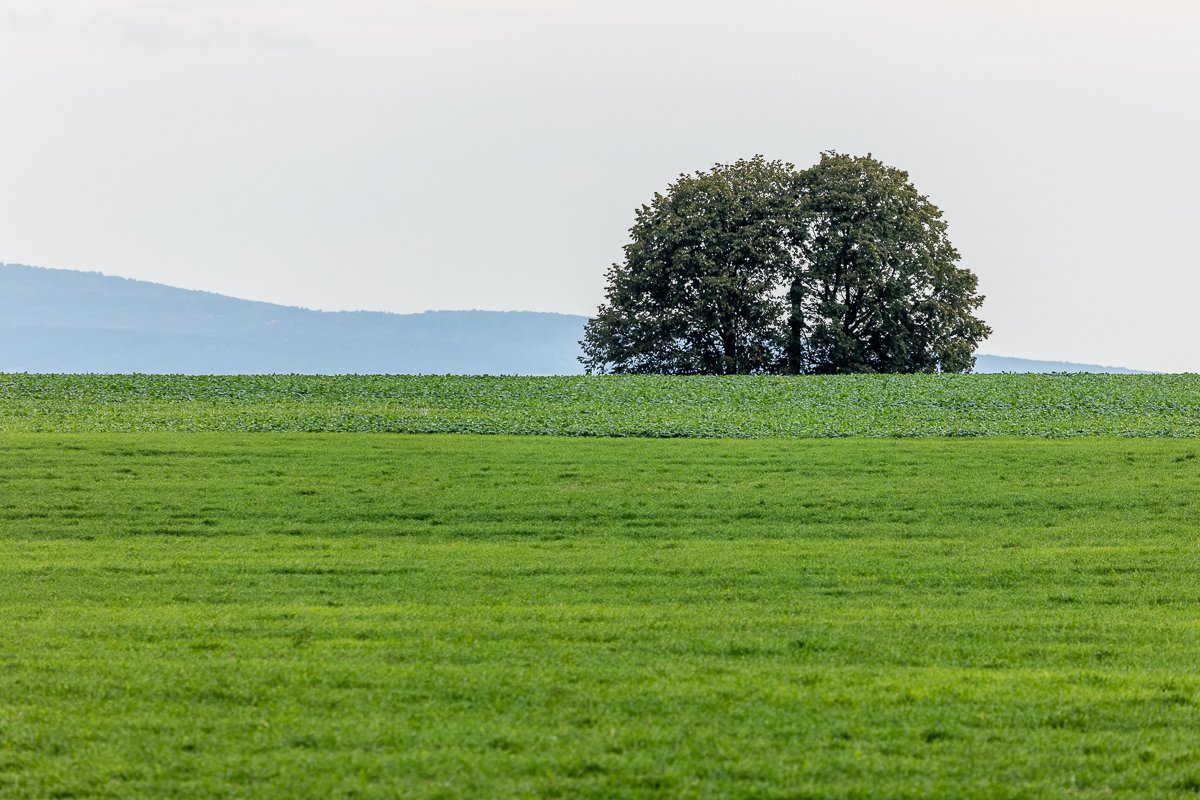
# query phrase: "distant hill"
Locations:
[[57, 320], [992, 364]]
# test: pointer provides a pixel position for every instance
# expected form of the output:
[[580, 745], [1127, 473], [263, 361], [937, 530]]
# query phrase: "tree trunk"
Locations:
[[795, 343]]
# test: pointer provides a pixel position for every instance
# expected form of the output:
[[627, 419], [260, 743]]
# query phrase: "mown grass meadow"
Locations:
[[313, 615]]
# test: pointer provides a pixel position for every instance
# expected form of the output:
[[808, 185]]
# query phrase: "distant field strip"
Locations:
[[227, 615], [649, 406]]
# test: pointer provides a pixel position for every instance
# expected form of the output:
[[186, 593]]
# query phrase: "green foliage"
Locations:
[[439, 617], [627, 405], [698, 291], [756, 267], [879, 289]]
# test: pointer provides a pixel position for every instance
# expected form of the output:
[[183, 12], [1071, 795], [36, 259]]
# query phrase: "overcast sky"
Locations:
[[447, 154]]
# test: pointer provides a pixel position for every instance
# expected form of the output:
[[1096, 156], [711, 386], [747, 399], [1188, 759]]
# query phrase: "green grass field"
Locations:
[[290, 615], [652, 406]]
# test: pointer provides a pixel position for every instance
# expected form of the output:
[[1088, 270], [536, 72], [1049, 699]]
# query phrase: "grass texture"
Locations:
[[650, 406], [227, 615]]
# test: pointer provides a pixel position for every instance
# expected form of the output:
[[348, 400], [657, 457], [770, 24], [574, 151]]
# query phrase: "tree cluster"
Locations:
[[758, 267]]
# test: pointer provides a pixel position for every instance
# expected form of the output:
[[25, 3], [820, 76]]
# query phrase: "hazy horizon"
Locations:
[[108, 323], [424, 155]]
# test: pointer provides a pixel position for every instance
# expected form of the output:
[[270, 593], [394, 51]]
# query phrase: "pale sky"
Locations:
[[453, 154]]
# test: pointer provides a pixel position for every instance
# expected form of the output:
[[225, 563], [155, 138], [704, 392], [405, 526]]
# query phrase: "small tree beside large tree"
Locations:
[[757, 267]]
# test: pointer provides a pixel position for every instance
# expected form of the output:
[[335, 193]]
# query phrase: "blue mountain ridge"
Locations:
[[57, 320]]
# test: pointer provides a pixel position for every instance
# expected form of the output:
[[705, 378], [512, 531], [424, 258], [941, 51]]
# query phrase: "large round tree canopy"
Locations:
[[757, 267]]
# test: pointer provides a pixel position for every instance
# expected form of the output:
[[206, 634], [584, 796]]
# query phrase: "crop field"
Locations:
[[319, 615], [651, 406]]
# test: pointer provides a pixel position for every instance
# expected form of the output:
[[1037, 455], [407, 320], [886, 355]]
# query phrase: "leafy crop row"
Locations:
[[651, 406]]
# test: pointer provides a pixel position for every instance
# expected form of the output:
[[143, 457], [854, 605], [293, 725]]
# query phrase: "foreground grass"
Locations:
[[379, 616], [658, 406]]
